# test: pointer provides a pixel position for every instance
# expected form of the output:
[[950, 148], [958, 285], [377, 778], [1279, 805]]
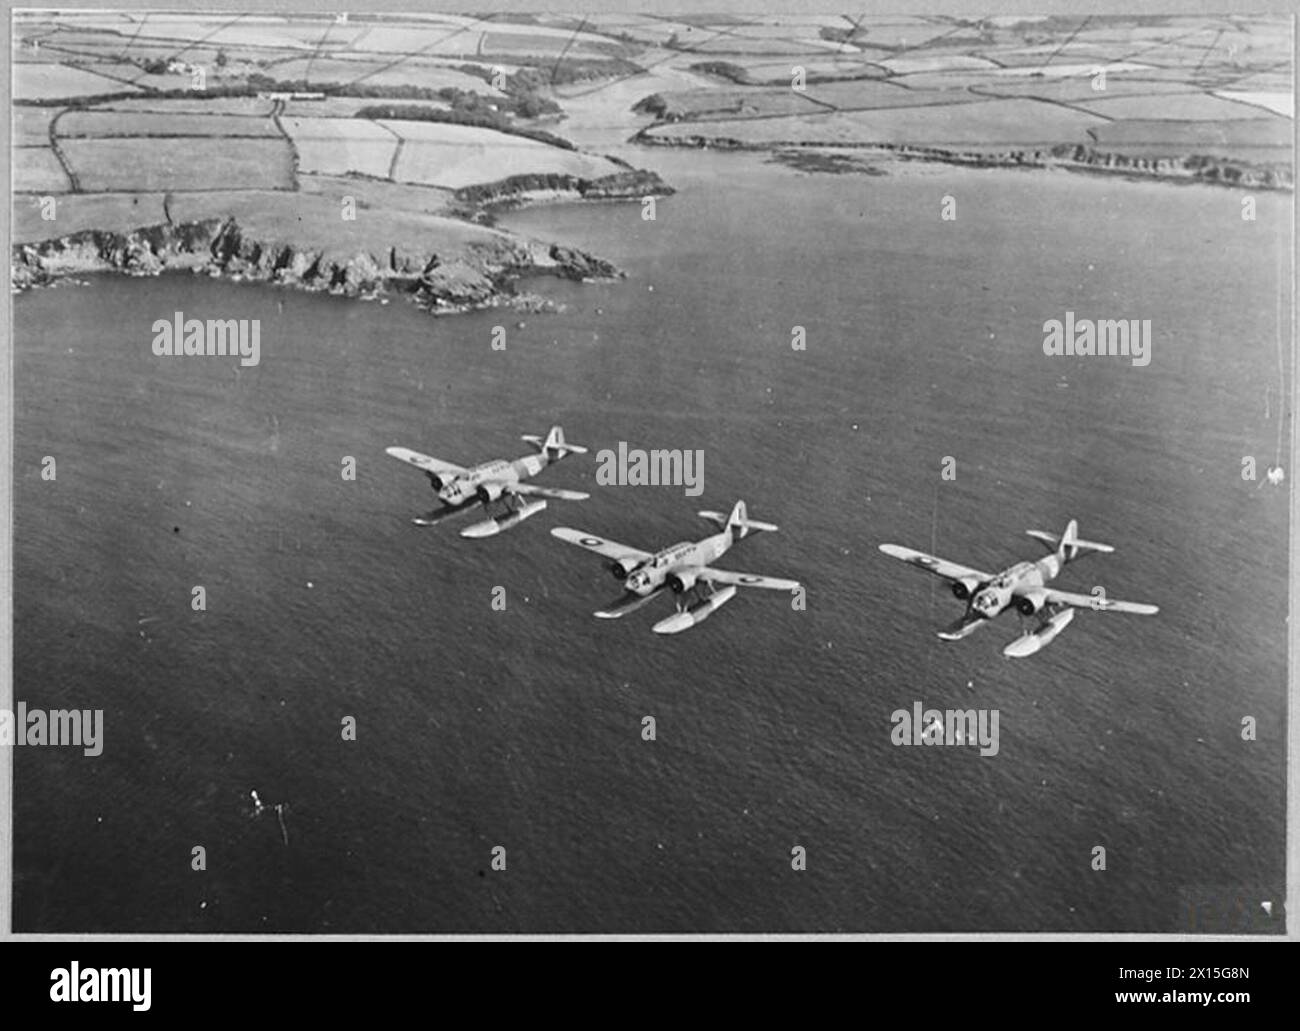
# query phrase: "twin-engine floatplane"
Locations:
[[1022, 586], [683, 569], [460, 488]]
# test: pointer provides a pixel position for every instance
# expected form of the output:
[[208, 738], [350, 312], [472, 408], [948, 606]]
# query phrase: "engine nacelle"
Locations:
[[489, 492], [963, 589], [619, 571], [680, 582], [1030, 603], [436, 481]]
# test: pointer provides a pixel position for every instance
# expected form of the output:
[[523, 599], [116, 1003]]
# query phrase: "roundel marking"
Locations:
[[591, 542]]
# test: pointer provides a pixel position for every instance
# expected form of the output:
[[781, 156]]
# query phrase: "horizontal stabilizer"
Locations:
[[540, 444], [554, 446], [1053, 541], [738, 521]]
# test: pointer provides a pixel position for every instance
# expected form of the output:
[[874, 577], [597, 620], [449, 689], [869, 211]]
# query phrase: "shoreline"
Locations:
[[437, 272], [481, 202], [483, 275], [1074, 158]]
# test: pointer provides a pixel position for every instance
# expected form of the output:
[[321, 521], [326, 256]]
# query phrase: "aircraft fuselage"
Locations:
[[1018, 581], [673, 564], [496, 477]]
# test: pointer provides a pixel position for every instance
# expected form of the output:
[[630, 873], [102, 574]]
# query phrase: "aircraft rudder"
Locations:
[[738, 521], [556, 447], [1067, 548]]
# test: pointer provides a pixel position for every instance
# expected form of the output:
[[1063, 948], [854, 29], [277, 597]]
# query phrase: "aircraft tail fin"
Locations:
[[1068, 549], [738, 522], [1069, 545], [554, 447]]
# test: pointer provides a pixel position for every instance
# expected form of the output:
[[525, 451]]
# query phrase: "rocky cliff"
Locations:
[[475, 276]]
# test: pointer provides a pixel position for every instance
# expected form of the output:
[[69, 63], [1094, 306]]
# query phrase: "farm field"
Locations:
[[46, 81], [37, 170], [1276, 102], [99, 124], [199, 105], [339, 146], [1183, 107], [1112, 94], [233, 144], [1175, 135], [144, 163], [453, 166], [32, 125], [256, 116], [77, 212], [1012, 123], [325, 71]]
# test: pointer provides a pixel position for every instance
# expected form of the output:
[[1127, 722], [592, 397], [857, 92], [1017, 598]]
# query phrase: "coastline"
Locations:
[[1070, 157], [481, 275], [439, 273]]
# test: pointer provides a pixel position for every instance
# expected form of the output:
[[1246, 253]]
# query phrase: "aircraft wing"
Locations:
[[938, 566], [610, 549], [722, 576], [1100, 604], [429, 465], [549, 492]]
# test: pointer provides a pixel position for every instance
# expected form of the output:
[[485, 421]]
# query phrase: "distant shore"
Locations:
[[840, 157]]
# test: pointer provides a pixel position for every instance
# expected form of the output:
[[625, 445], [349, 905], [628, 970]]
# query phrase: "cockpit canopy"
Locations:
[[666, 556]]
